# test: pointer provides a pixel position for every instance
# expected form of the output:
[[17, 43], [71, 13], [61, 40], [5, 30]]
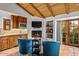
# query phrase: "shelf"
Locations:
[[49, 26], [36, 40], [50, 33], [49, 29], [36, 46]]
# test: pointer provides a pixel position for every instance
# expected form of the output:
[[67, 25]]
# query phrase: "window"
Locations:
[[6, 24]]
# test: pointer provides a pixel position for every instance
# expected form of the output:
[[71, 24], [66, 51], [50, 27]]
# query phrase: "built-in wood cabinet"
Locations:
[[10, 41], [18, 21]]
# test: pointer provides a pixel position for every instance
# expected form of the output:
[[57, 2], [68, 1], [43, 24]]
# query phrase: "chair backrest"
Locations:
[[25, 45]]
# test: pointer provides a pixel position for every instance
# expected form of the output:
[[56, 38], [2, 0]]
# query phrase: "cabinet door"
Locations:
[[16, 40], [7, 42], [15, 21], [4, 43], [1, 44], [13, 41], [11, 44]]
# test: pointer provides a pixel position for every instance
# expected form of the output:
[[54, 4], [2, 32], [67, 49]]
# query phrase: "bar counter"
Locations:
[[8, 41]]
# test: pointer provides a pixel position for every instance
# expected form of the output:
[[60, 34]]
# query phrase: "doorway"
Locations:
[[70, 32]]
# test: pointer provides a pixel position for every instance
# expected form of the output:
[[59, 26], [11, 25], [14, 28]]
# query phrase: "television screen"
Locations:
[[36, 24]]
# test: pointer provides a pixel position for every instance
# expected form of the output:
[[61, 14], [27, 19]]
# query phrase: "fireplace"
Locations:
[[36, 33]]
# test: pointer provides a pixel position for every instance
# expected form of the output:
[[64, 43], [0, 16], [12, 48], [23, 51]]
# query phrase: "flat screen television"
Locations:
[[36, 24]]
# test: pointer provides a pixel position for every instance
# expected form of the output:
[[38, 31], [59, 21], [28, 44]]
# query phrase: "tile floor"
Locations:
[[64, 51]]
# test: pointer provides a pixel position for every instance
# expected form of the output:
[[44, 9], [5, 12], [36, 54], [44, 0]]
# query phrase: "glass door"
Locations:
[[74, 32], [70, 32], [63, 25]]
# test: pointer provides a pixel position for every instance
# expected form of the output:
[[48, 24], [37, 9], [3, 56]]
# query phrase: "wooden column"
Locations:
[[67, 32]]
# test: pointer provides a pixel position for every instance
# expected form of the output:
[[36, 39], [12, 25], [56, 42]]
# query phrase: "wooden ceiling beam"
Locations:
[[66, 7], [54, 4], [37, 10], [24, 8], [50, 9]]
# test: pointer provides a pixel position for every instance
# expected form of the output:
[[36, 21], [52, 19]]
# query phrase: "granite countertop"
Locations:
[[13, 32]]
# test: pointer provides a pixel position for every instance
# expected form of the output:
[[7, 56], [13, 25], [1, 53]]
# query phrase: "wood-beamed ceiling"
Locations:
[[48, 9], [37, 10], [66, 8]]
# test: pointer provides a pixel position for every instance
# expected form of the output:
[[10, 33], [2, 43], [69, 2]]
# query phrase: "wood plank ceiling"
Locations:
[[48, 9]]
